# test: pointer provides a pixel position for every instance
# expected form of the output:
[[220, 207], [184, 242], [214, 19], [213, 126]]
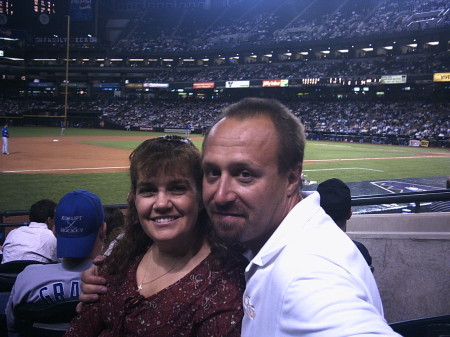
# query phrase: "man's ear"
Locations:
[[294, 180], [350, 213]]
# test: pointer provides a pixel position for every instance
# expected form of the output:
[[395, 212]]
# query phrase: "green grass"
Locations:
[[363, 170], [19, 191], [53, 132]]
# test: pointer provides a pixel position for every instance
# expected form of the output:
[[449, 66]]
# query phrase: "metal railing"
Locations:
[[17, 218]]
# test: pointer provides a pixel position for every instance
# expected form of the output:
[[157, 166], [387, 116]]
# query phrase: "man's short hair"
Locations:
[[335, 198], [42, 210], [290, 131]]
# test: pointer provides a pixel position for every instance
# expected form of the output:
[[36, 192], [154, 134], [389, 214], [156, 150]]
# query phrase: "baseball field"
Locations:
[[43, 164]]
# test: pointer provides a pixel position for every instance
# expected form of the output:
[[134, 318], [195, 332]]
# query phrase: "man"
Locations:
[[335, 199], [440, 206], [80, 230], [298, 284], [63, 128], [5, 136], [36, 241]]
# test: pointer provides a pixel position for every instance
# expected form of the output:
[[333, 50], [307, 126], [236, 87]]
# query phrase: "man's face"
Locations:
[[243, 191]]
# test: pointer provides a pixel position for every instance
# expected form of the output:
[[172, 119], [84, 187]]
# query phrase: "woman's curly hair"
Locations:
[[168, 155]]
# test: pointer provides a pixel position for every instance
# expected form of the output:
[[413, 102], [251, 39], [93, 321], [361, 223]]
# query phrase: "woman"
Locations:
[[114, 227], [168, 275]]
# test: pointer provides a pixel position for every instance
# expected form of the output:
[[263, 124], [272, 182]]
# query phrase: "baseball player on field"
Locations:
[[5, 136]]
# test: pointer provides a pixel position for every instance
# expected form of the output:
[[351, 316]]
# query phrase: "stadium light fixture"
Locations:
[[14, 58], [433, 43], [388, 47], [44, 59], [168, 60], [113, 60], [325, 51], [412, 45], [288, 54], [367, 49], [205, 60], [188, 60], [254, 56], [268, 55], [136, 60], [304, 53], [343, 51]]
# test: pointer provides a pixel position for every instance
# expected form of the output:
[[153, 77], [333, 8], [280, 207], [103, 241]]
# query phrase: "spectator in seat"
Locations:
[[80, 231], [441, 206], [335, 199], [114, 220], [168, 275], [36, 241], [297, 283]]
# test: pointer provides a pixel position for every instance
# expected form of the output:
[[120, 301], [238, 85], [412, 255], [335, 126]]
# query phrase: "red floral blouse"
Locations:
[[206, 302]]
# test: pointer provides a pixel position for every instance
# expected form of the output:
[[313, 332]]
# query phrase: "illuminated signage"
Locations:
[[275, 83], [155, 85], [41, 84], [106, 85], [204, 85], [310, 81], [133, 85], [237, 84], [393, 79], [441, 77]]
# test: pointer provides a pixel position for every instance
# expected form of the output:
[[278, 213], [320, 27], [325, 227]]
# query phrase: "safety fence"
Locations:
[[412, 202]]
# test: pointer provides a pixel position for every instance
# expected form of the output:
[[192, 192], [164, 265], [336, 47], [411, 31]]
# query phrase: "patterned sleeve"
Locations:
[[88, 323]]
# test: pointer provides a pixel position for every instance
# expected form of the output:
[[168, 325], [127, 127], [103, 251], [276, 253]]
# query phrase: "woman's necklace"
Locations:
[[139, 287]]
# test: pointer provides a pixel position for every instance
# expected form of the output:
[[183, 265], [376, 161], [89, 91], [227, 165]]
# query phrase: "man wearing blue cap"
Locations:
[[80, 230]]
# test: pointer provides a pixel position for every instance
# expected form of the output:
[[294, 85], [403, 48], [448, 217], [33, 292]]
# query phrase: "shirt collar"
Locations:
[[290, 227]]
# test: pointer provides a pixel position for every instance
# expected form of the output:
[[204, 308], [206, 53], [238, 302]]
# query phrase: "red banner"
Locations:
[[204, 85]]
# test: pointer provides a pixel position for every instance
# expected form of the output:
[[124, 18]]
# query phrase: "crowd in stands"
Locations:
[[270, 22], [418, 120], [426, 62]]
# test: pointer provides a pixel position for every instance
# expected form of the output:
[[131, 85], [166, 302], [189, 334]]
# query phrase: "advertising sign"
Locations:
[[393, 79], [204, 85], [133, 85], [441, 77], [237, 84], [275, 83], [155, 85]]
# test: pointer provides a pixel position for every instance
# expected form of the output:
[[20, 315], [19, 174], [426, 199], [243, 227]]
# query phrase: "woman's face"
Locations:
[[168, 208]]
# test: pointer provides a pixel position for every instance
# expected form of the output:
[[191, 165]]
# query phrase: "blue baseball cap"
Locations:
[[78, 217]]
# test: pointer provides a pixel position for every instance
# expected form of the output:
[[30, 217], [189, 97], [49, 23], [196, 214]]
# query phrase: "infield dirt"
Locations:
[[65, 155]]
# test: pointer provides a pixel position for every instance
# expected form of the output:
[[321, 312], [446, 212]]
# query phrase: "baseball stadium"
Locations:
[[84, 83]]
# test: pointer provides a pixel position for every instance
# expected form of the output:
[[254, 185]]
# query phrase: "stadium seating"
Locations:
[[45, 319]]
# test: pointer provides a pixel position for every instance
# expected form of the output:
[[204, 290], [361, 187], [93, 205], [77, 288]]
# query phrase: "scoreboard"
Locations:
[[36, 16], [6, 7], [44, 6]]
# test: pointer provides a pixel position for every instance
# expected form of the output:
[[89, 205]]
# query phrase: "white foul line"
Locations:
[[69, 169], [344, 168]]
